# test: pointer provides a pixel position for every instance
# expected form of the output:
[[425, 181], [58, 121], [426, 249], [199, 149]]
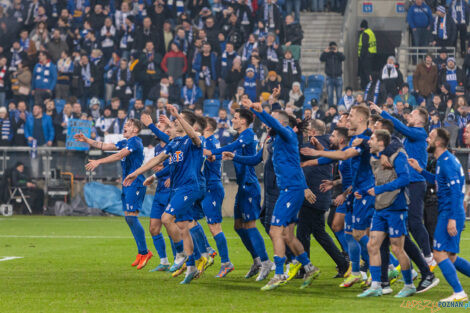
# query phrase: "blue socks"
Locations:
[[221, 243], [393, 260], [203, 238], [138, 232], [246, 241], [198, 243], [303, 258], [342, 239], [159, 243], [190, 261], [178, 246], [354, 251], [375, 272], [364, 253], [279, 264], [462, 265], [407, 276], [450, 274], [258, 243], [172, 244]]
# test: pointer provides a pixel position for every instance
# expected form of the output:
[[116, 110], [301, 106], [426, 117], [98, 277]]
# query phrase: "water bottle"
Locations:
[[34, 150]]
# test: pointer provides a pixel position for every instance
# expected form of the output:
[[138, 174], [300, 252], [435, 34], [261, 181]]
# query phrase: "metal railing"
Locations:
[[413, 55]]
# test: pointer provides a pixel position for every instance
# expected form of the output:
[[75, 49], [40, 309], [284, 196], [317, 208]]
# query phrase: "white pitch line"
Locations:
[[84, 237], [8, 258]]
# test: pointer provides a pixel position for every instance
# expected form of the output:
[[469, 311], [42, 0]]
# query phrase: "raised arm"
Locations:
[[144, 168], [147, 120], [187, 128], [338, 154], [92, 164], [411, 133], [95, 144]]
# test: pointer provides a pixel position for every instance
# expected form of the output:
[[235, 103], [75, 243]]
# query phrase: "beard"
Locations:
[[431, 148]]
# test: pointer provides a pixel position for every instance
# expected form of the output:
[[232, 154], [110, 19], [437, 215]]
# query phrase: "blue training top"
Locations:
[[286, 157], [212, 170], [450, 182], [344, 167], [363, 178], [244, 145], [415, 144], [184, 162], [134, 160]]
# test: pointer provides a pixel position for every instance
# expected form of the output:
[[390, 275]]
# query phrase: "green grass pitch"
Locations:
[[82, 264]]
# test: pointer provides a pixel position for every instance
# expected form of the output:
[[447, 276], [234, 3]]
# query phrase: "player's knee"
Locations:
[[215, 229], [166, 219]]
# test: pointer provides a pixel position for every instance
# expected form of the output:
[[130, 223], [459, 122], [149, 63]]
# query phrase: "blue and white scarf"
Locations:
[[437, 30], [187, 100], [268, 15], [224, 59], [248, 49], [458, 14], [376, 91], [119, 125], [272, 54], [86, 75], [286, 63]]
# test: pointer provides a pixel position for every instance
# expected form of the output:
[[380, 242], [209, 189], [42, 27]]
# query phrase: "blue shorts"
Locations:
[[363, 209], [160, 201], [348, 222], [248, 202], [286, 210], [196, 209], [346, 206], [442, 240], [391, 222], [212, 203], [181, 203], [132, 198]]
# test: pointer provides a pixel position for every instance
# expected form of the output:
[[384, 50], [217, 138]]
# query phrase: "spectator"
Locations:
[[126, 34], [205, 66], [261, 70], [441, 60], [420, 19], [161, 108], [4, 80], [251, 84], [406, 97], [293, 6], [225, 66], [83, 85], [271, 52], [110, 69], [40, 36], [17, 55], [290, 73], [453, 75], [108, 37], [425, 78], [104, 123], [148, 70], [21, 82], [296, 99], [94, 109], [270, 14], [347, 100], [175, 64], [367, 50], [391, 77], [248, 47], [375, 91], [44, 78], [438, 106], [76, 110], [444, 28], [190, 94], [460, 12], [123, 83], [6, 129], [97, 17], [273, 81], [30, 189], [64, 117], [138, 109], [56, 46], [64, 76], [39, 128], [18, 122], [145, 33], [234, 77], [317, 112], [334, 71], [224, 131], [117, 126], [435, 122]]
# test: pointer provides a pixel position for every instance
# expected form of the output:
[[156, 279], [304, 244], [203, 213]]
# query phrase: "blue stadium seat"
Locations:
[[309, 96], [225, 105], [211, 107], [148, 102], [316, 90], [303, 82], [59, 105], [409, 80], [316, 81]]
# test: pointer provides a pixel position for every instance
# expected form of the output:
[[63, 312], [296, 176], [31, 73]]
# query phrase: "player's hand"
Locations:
[[339, 200], [452, 228], [308, 151], [227, 156], [167, 183], [310, 196], [149, 180], [164, 120], [314, 141], [92, 165], [172, 109], [357, 195], [276, 92], [371, 191], [146, 119], [157, 168], [326, 185], [415, 165], [385, 161], [357, 142], [207, 152], [211, 158], [80, 137], [129, 179], [375, 107], [247, 103], [308, 163]]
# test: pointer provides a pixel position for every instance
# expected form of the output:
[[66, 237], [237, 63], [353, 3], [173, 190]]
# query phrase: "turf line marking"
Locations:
[[8, 258], [85, 237]]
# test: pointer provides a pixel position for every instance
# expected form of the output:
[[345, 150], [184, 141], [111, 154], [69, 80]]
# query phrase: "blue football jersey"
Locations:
[[199, 167], [161, 181], [212, 170], [184, 161], [363, 178], [134, 160]]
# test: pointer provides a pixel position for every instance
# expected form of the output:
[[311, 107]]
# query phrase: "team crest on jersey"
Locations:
[[176, 157]]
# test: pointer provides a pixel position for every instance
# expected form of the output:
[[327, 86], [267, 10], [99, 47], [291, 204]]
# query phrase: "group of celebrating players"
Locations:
[[381, 178]]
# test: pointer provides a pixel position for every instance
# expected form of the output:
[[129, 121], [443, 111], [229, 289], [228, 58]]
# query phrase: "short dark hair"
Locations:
[[211, 122], [342, 131], [137, 123], [201, 120], [423, 113], [375, 117], [444, 135], [246, 115], [189, 116], [387, 125], [383, 135]]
